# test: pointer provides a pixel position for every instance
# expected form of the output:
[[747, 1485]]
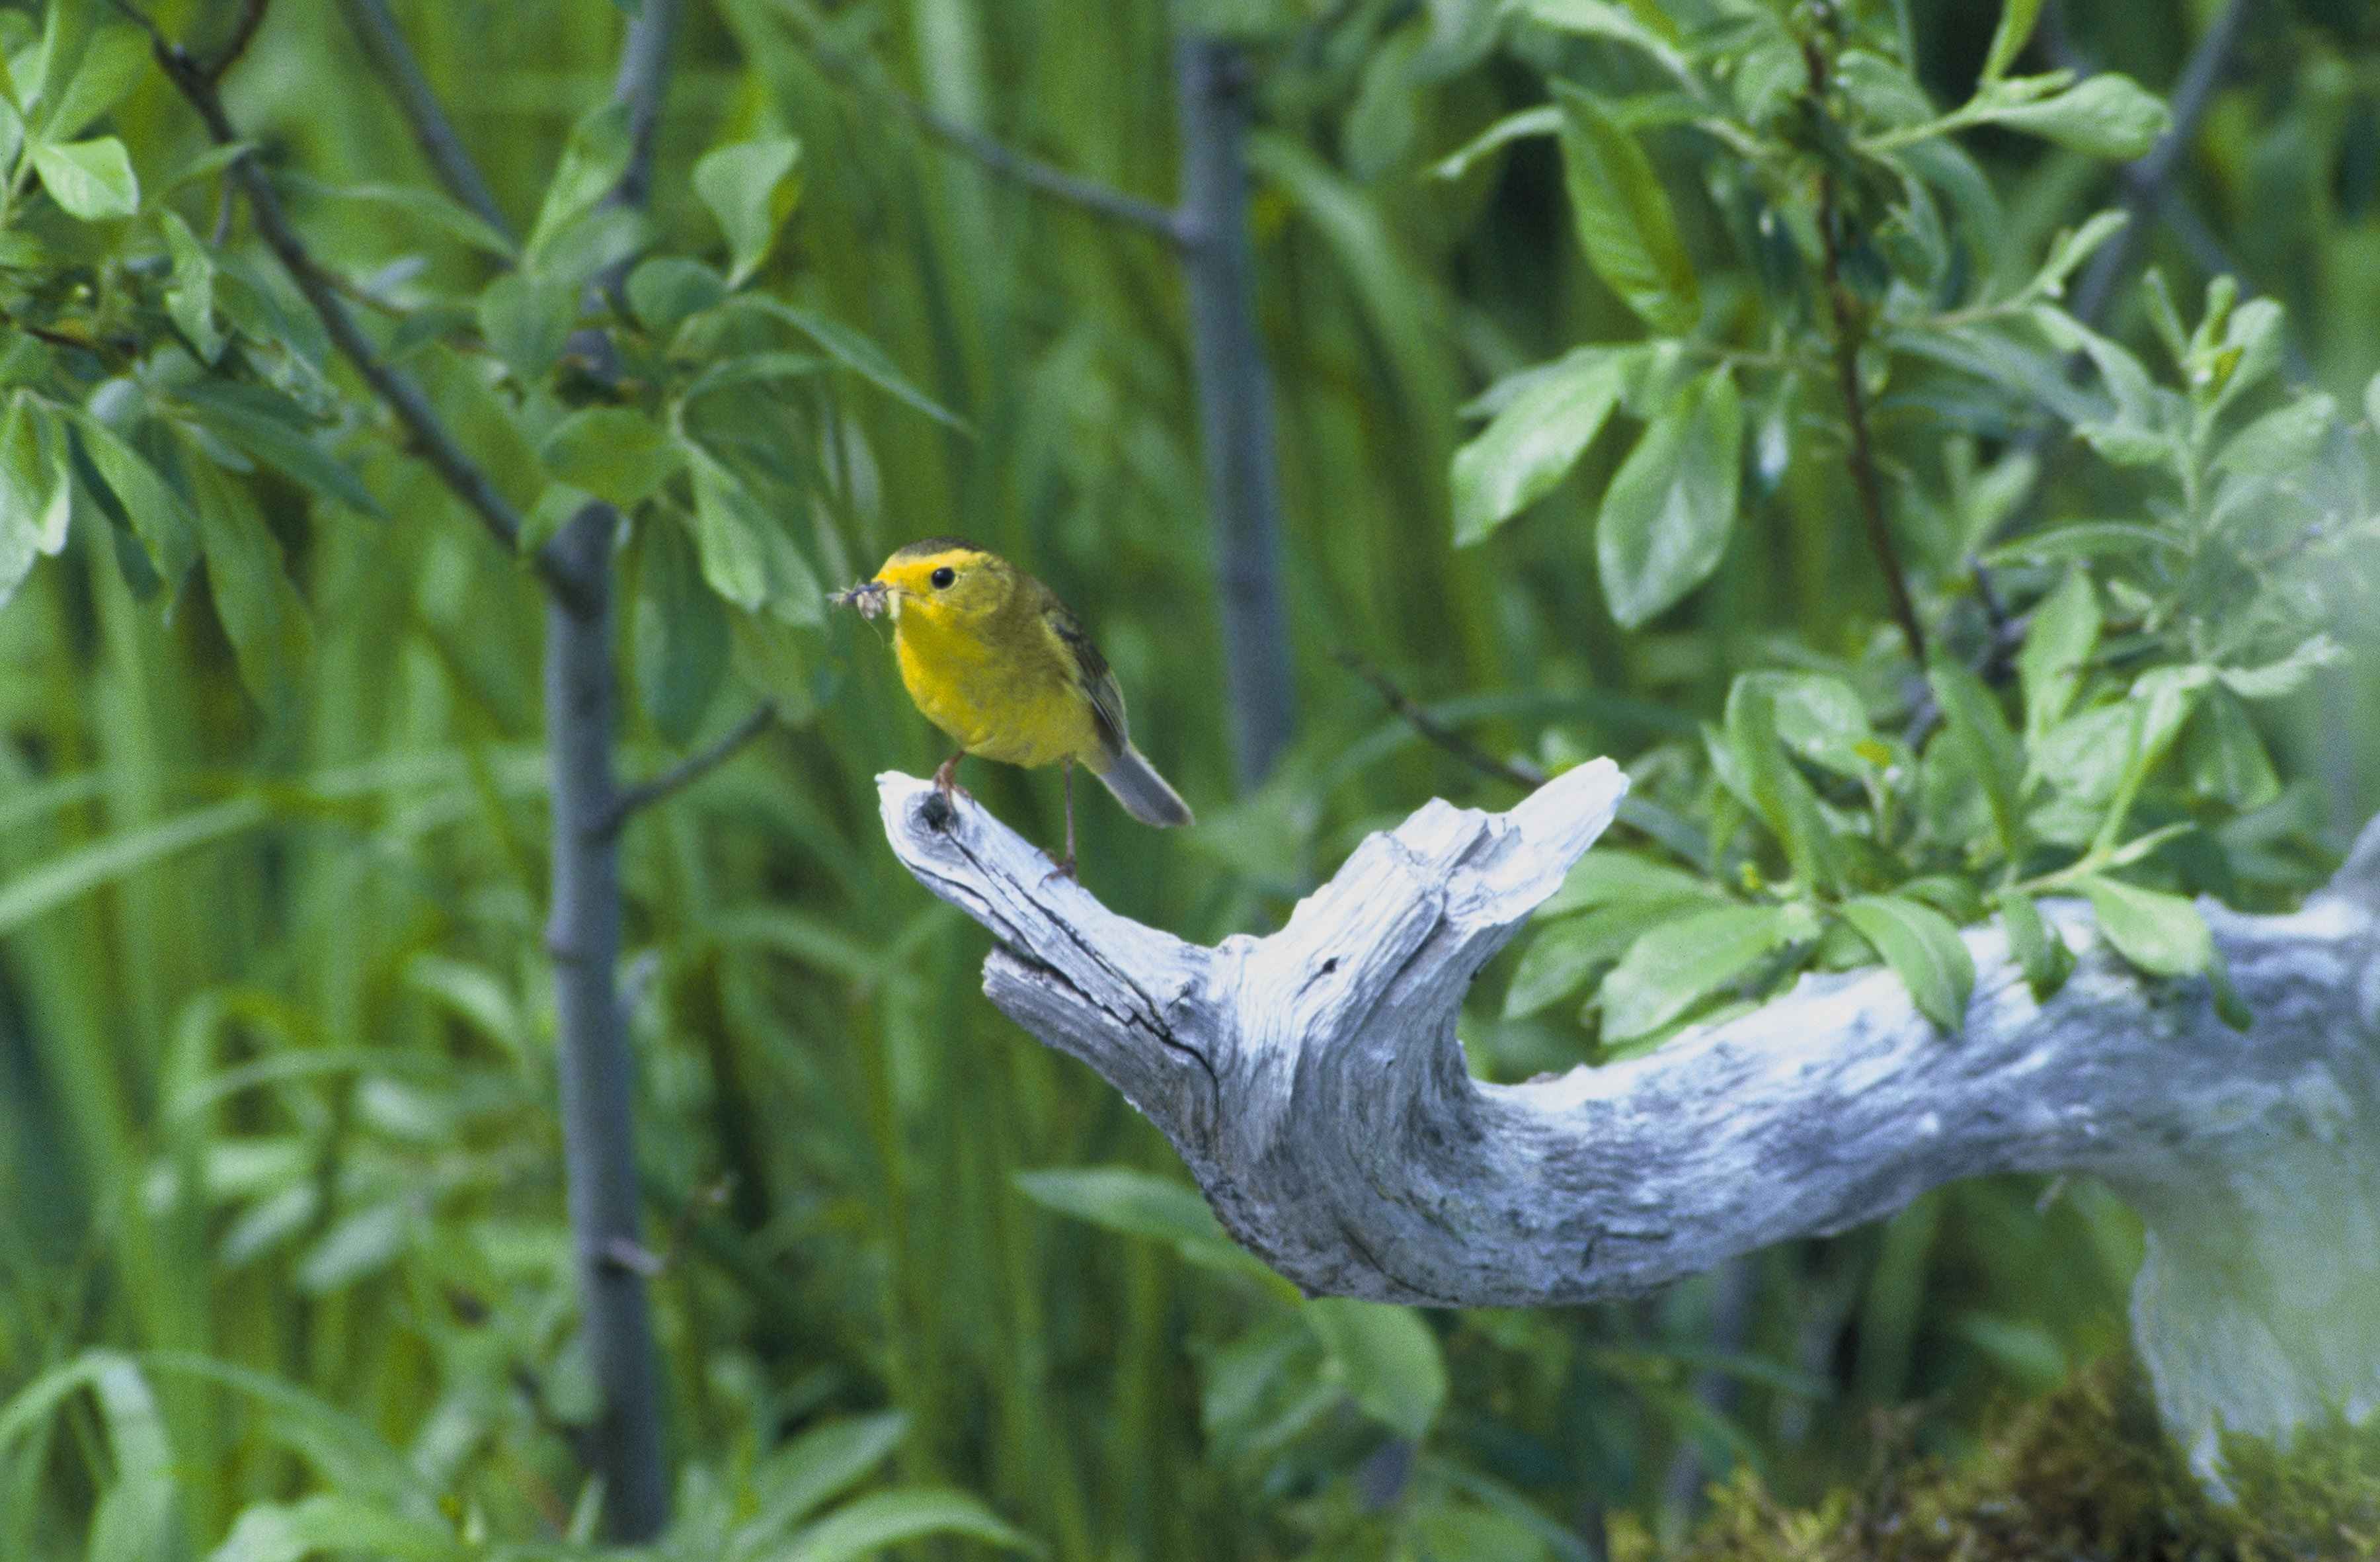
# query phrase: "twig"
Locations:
[[2149, 180], [686, 772], [251, 16], [1519, 773], [997, 156], [383, 45], [1848, 330]]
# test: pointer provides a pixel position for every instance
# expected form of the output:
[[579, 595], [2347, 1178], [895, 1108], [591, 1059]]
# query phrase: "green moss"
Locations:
[[2084, 1473]]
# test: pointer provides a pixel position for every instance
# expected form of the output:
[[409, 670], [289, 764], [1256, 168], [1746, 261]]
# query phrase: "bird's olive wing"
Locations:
[[1090, 671]]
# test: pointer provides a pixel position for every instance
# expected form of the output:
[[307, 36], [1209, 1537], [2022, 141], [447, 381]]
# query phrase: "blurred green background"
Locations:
[[277, 1084]]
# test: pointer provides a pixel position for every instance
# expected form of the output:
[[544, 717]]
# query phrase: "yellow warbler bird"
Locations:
[[993, 658]]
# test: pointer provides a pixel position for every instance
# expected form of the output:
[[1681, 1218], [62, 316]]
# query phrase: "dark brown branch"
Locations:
[[686, 772], [1851, 329]]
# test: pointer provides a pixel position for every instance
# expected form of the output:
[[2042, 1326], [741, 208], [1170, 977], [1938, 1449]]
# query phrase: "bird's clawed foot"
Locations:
[[946, 780], [1063, 870]]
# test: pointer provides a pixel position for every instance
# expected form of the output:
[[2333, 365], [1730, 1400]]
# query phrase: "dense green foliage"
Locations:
[[1559, 296]]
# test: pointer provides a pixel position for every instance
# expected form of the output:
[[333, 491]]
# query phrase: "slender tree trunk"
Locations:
[[624, 1447], [1236, 418], [583, 936]]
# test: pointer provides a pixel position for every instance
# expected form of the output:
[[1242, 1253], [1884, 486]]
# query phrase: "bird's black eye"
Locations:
[[942, 577]]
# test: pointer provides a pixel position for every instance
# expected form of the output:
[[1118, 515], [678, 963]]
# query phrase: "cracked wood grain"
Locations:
[[1313, 1082]]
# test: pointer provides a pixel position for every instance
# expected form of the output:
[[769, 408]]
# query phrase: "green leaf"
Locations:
[[2274, 680], [2108, 116], [335, 1523], [887, 1519], [615, 453], [1139, 1203], [1543, 120], [592, 164], [112, 65], [748, 555], [860, 356], [1378, 133], [1533, 443], [192, 299], [1971, 719], [2163, 935], [814, 1468], [89, 180], [1623, 215], [1923, 948], [752, 368], [36, 494], [2084, 539], [2075, 247], [1619, 878], [1820, 719], [1564, 954], [2017, 18], [262, 613], [168, 532], [1666, 518], [2040, 953], [1600, 19], [1388, 1359], [420, 203], [2282, 442], [682, 634], [2224, 757], [527, 319], [285, 447], [1672, 967], [751, 187], [1770, 785], [2058, 644], [666, 289]]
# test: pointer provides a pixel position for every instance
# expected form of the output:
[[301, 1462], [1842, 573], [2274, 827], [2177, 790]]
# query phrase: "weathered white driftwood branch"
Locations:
[[1313, 1081]]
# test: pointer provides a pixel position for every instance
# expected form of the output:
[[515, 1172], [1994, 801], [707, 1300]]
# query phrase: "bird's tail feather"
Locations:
[[1143, 792]]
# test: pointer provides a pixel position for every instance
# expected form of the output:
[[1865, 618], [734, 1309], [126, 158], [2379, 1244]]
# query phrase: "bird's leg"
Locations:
[[946, 778], [1066, 870]]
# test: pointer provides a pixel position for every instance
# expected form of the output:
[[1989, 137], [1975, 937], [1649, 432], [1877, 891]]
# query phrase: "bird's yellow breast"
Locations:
[[1004, 690]]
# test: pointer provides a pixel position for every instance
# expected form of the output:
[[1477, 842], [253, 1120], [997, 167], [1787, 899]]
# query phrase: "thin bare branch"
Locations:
[[686, 772], [243, 32], [997, 156], [1851, 329], [1517, 773]]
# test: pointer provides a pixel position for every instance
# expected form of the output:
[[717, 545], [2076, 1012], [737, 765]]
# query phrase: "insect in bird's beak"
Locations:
[[871, 597]]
